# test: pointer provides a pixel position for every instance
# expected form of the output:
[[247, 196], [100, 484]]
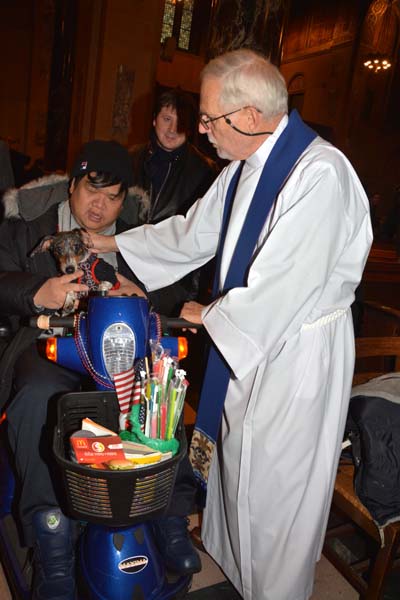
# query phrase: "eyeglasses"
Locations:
[[204, 121]]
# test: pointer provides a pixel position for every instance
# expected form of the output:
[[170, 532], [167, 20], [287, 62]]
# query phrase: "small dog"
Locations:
[[72, 254]]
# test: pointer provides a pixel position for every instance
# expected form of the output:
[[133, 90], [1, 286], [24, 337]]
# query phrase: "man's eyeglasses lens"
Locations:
[[205, 119]]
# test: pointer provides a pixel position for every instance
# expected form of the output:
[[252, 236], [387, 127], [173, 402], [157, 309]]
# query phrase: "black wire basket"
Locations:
[[115, 498]]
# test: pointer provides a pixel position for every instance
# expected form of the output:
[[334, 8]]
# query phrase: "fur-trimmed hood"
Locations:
[[34, 198]]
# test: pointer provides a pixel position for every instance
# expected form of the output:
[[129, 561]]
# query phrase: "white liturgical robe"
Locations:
[[288, 338]]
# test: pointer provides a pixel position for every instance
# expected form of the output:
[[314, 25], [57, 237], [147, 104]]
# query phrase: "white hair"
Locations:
[[249, 79]]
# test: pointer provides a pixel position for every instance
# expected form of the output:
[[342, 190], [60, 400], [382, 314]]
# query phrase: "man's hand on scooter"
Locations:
[[126, 288], [191, 311]]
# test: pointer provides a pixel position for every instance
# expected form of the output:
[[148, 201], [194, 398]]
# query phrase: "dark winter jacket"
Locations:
[[188, 175]]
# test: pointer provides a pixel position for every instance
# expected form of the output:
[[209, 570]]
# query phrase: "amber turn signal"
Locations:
[[182, 348], [51, 349]]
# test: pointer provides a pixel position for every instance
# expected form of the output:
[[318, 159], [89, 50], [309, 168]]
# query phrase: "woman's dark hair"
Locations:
[[185, 107]]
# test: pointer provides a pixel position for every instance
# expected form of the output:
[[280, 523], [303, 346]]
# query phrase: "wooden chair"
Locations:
[[368, 576]]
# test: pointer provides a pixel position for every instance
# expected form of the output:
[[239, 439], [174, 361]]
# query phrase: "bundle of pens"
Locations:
[[162, 397], [154, 418]]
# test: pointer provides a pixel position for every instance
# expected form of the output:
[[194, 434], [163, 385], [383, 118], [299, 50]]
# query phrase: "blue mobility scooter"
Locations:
[[118, 557]]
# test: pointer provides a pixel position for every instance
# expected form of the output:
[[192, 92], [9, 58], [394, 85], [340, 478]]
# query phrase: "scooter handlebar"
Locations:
[[48, 321], [178, 323]]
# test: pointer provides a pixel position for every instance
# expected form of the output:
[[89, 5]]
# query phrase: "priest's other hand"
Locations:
[[191, 311]]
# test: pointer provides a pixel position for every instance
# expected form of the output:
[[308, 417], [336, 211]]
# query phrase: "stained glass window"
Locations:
[[186, 24], [177, 21], [168, 20]]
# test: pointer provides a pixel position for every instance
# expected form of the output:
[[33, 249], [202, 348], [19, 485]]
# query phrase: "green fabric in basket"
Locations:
[[136, 435]]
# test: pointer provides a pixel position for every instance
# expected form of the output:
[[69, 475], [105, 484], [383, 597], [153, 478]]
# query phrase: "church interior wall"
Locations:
[[119, 64], [183, 70], [26, 32]]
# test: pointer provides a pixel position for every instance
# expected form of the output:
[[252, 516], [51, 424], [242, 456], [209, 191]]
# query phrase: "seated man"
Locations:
[[97, 199]]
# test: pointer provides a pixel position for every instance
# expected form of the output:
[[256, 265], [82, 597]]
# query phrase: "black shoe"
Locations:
[[53, 556], [175, 546]]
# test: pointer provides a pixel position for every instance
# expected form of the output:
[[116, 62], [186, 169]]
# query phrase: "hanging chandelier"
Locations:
[[377, 63], [381, 13]]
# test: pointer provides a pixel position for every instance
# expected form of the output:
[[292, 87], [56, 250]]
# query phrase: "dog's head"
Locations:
[[68, 249]]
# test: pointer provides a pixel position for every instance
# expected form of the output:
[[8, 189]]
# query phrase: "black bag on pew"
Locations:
[[373, 427]]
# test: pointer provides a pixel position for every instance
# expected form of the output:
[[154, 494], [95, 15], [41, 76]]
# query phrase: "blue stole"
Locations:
[[288, 148]]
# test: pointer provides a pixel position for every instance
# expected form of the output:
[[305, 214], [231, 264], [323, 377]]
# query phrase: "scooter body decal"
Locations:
[[133, 565]]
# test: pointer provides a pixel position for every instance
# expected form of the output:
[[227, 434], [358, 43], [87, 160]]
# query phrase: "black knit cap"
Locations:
[[106, 157]]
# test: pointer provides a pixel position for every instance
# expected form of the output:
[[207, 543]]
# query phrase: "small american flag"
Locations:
[[124, 386]]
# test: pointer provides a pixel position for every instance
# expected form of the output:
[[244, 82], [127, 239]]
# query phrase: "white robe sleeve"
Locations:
[[307, 264], [162, 254]]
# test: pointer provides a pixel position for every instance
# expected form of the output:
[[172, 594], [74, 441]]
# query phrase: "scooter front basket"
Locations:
[[114, 498]]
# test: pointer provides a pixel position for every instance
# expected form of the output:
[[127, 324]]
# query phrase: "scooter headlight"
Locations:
[[119, 348]]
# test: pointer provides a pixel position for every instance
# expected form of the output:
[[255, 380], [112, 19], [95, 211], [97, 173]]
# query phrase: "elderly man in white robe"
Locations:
[[282, 329]]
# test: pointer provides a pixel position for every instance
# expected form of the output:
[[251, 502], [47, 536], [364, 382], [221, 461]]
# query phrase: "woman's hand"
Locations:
[[127, 288]]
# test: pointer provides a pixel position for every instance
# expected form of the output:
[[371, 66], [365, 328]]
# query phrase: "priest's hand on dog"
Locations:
[[53, 292], [99, 243]]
